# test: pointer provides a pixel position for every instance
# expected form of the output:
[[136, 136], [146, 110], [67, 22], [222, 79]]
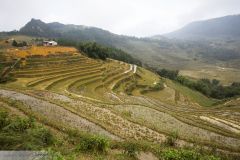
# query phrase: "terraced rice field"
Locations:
[[106, 98]]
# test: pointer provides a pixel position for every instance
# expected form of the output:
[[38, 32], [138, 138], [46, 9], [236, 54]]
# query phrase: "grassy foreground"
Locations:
[[20, 132], [61, 102]]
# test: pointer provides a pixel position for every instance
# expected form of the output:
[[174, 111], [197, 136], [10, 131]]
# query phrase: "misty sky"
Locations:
[[128, 17]]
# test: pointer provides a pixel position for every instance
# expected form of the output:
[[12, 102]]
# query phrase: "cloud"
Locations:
[[135, 17]]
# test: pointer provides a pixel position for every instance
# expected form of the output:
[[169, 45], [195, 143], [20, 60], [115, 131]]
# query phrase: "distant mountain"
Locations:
[[72, 32], [38, 28], [223, 27], [157, 51]]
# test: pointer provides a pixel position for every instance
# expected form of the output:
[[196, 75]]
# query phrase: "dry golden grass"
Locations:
[[42, 51]]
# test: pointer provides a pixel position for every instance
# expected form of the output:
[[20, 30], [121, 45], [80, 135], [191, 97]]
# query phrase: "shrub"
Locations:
[[130, 87], [42, 136], [4, 121], [22, 133], [53, 155], [209, 158], [93, 144], [168, 73], [183, 154], [19, 125], [171, 139], [179, 155], [158, 86], [131, 149], [14, 43], [20, 44], [7, 78], [8, 141], [210, 88]]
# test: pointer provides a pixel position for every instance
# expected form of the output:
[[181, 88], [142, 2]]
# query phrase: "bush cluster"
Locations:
[[22, 133], [157, 87], [93, 143], [19, 44], [171, 139], [94, 50], [7, 78], [131, 149], [183, 154], [210, 88], [171, 74], [97, 51]]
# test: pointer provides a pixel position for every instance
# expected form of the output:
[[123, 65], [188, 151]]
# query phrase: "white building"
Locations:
[[49, 43]]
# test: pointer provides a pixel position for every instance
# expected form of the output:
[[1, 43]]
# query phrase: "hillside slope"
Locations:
[[189, 56], [70, 94], [118, 100], [223, 27], [38, 28]]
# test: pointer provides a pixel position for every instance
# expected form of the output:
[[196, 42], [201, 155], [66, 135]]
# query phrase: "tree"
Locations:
[[168, 73], [14, 43], [24, 43], [215, 82], [97, 51]]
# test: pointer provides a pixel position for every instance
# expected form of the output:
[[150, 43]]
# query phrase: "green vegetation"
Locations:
[[131, 149], [194, 96], [183, 154], [93, 50], [93, 143], [19, 44], [5, 74], [211, 88], [97, 51], [25, 134], [171, 74], [205, 86], [7, 78], [171, 139], [22, 134], [156, 87], [167, 53], [71, 91]]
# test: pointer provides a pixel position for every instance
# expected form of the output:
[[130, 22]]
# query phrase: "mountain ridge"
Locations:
[[160, 51], [36, 27], [221, 27]]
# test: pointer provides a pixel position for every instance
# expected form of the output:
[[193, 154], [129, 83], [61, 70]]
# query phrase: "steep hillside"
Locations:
[[223, 27], [189, 56], [118, 100]]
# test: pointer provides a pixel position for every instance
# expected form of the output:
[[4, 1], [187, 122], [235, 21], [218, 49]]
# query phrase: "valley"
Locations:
[[63, 89]]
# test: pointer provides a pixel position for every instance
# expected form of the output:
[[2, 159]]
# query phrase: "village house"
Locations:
[[49, 43]]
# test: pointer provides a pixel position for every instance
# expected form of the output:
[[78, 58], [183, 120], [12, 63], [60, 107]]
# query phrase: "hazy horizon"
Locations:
[[136, 18]]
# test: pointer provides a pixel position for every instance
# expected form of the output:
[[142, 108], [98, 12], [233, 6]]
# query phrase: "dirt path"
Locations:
[[56, 113], [134, 68], [130, 69]]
